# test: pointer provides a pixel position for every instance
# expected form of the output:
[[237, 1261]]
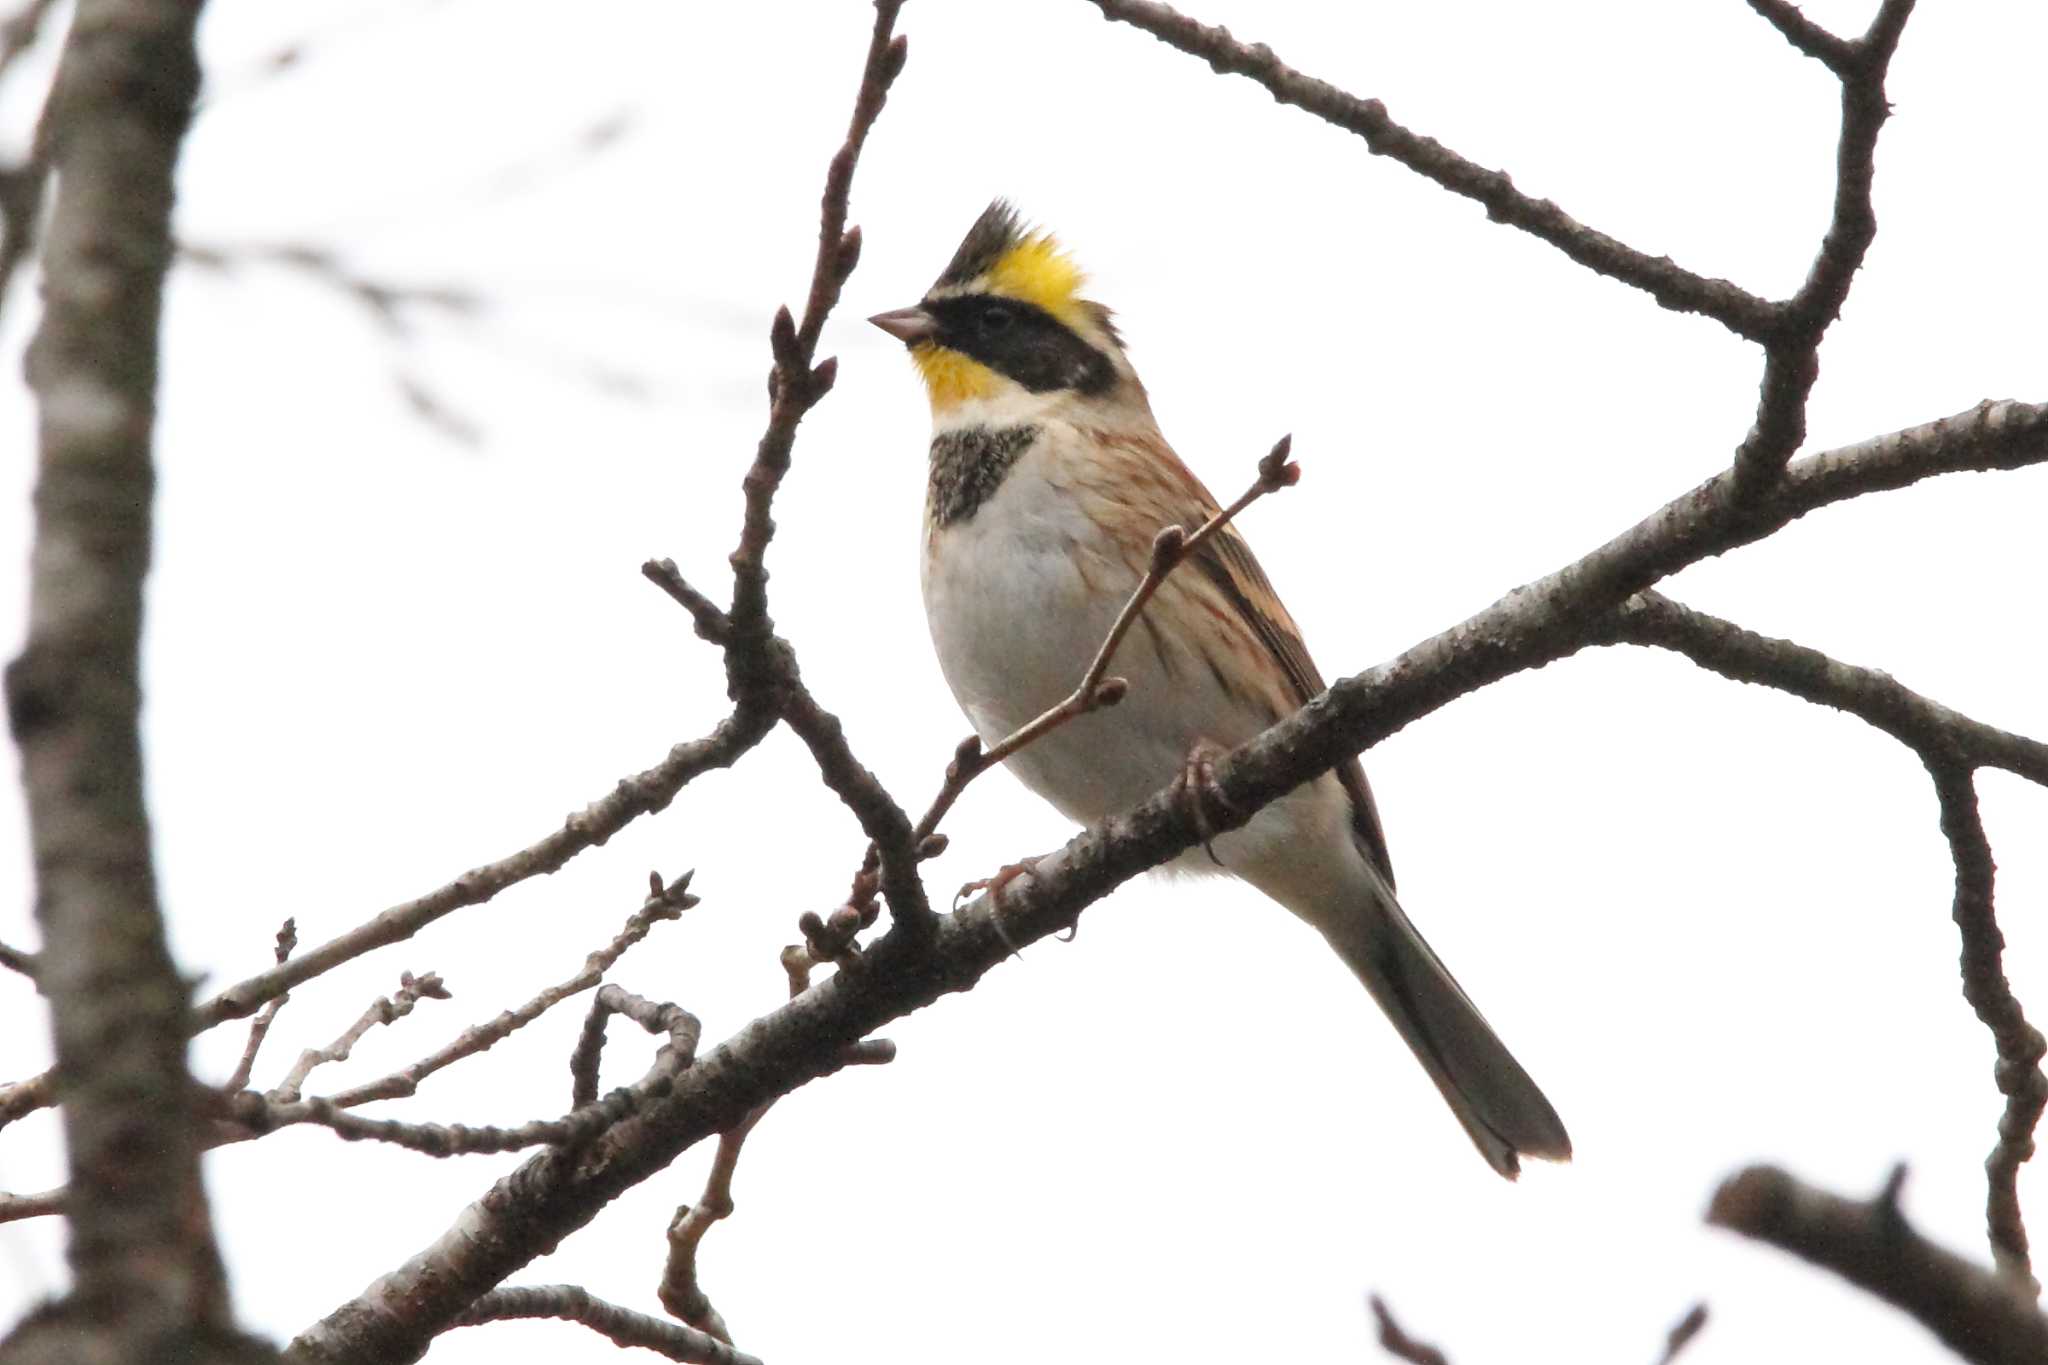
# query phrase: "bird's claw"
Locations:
[[1199, 793], [1004, 875]]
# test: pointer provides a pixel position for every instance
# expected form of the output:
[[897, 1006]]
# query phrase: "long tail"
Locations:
[[1506, 1115]]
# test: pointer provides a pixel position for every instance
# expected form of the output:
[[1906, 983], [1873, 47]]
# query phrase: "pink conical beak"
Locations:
[[907, 325]]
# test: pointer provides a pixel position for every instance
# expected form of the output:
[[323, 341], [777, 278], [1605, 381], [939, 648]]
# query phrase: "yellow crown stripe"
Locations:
[[1037, 271]]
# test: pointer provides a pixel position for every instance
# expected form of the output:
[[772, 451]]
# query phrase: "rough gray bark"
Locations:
[[148, 1278]]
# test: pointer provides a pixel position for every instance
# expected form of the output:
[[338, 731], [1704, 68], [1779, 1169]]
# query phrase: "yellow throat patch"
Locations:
[[951, 378]]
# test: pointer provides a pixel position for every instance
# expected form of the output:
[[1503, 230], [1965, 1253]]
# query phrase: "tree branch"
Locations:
[[641, 794], [550, 1196], [622, 1326], [663, 903], [1670, 284], [1921, 724], [259, 1027], [147, 1275], [1792, 351], [15, 1207], [1979, 1315], [386, 1009], [2020, 1045], [1396, 1342], [1836, 54], [682, 1029]]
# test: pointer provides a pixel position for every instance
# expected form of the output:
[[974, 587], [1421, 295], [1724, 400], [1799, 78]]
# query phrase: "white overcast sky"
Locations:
[[1712, 920]]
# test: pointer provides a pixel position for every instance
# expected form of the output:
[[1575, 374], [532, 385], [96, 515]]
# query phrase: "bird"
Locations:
[[1047, 481]]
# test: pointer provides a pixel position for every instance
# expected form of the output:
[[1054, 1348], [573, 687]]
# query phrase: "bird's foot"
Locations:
[[1004, 875], [1200, 795]]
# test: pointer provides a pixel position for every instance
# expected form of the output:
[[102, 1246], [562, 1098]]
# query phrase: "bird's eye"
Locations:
[[996, 320]]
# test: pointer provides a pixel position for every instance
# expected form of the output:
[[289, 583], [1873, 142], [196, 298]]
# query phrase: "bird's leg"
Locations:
[[1199, 793]]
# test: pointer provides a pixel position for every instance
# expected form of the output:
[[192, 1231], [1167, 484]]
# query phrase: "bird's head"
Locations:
[[1006, 319]]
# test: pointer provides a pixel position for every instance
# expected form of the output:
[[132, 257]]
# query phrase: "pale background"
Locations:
[[1712, 920]]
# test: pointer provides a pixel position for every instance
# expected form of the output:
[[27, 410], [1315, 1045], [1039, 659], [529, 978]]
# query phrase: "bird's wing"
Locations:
[[1151, 486], [1227, 562]]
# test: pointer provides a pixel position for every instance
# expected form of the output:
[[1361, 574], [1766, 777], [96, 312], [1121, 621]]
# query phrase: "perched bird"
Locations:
[[1048, 480]]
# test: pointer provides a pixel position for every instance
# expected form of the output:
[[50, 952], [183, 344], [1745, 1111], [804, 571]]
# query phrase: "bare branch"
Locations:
[[1951, 745], [387, 1009], [388, 304], [22, 185], [21, 30], [795, 385], [15, 960], [1671, 285], [1792, 352], [1682, 1333], [1981, 1316], [622, 1326], [679, 1291], [15, 1207], [1398, 1344], [712, 622], [258, 1114], [881, 818], [1836, 54], [663, 903], [259, 1028], [682, 1029], [1924, 725], [761, 669], [2020, 1045], [640, 794]]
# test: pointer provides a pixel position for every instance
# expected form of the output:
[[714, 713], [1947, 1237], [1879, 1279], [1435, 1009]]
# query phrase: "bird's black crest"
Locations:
[[995, 232]]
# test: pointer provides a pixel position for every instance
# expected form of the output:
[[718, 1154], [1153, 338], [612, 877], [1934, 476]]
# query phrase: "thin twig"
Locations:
[[1980, 1315], [1396, 1342], [22, 184], [15, 1207], [259, 1028], [388, 304], [1682, 1333], [761, 668], [1917, 721], [387, 1009], [1669, 284], [15, 960], [258, 1115], [622, 1326], [679, 1290], [795, 384], [21, 30], [679, 1024], [1096, 690], [664, 902], [639, 794]]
